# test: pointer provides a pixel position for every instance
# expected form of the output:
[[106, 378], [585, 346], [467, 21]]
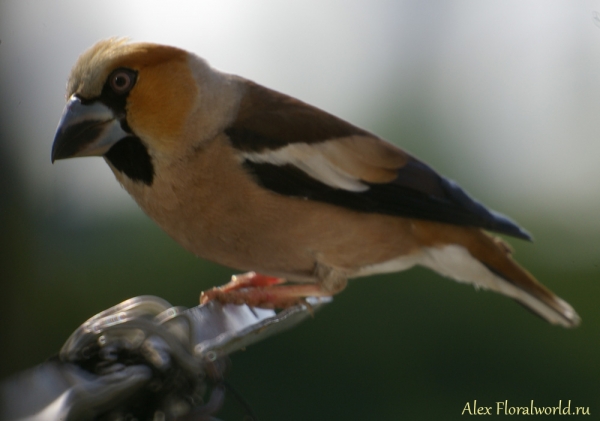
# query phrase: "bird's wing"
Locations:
[[298, 150]]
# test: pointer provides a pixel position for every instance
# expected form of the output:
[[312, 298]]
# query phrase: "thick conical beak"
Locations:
[[86, 130]]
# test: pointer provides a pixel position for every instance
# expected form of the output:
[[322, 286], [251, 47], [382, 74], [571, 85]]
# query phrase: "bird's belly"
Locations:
[[294, 244], [271, 233]]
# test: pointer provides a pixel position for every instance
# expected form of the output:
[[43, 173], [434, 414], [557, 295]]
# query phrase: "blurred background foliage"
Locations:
[[401, 346]]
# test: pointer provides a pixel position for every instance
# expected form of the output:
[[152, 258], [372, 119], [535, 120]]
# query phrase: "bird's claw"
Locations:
[[262, 291], [263, 297]]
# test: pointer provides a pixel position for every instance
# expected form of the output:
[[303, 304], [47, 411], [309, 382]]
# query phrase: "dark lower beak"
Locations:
[[86, 130]]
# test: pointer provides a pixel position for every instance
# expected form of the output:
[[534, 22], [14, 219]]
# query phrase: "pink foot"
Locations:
[[257, 290]]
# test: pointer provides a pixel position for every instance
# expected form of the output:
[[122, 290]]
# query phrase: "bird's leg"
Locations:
[[272, 296], [263, 291], [250, 280], [240, 288]]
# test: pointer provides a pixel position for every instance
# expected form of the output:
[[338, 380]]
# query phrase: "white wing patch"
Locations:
[[312, 159]]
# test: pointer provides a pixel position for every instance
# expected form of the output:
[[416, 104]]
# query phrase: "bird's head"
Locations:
[[136, 102]]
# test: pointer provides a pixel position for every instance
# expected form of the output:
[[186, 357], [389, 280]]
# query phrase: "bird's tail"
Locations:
[[470, 255]]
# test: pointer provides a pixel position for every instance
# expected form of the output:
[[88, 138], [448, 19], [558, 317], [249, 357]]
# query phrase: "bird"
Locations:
[[261, 182]]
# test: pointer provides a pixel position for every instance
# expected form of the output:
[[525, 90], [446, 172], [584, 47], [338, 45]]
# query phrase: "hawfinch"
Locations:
[[259, 181]]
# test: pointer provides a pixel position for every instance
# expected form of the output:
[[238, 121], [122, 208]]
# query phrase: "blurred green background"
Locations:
[[502, 97]]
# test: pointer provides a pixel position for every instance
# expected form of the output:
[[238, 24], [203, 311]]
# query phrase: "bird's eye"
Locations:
[[122, 80]]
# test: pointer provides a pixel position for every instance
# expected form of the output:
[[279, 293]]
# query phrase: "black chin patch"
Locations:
[[131, 157]]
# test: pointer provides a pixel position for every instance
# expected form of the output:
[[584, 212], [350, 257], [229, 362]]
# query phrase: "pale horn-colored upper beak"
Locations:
[[86, 129]]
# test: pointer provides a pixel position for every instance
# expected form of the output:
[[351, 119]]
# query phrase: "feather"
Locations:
[[297, 150]]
